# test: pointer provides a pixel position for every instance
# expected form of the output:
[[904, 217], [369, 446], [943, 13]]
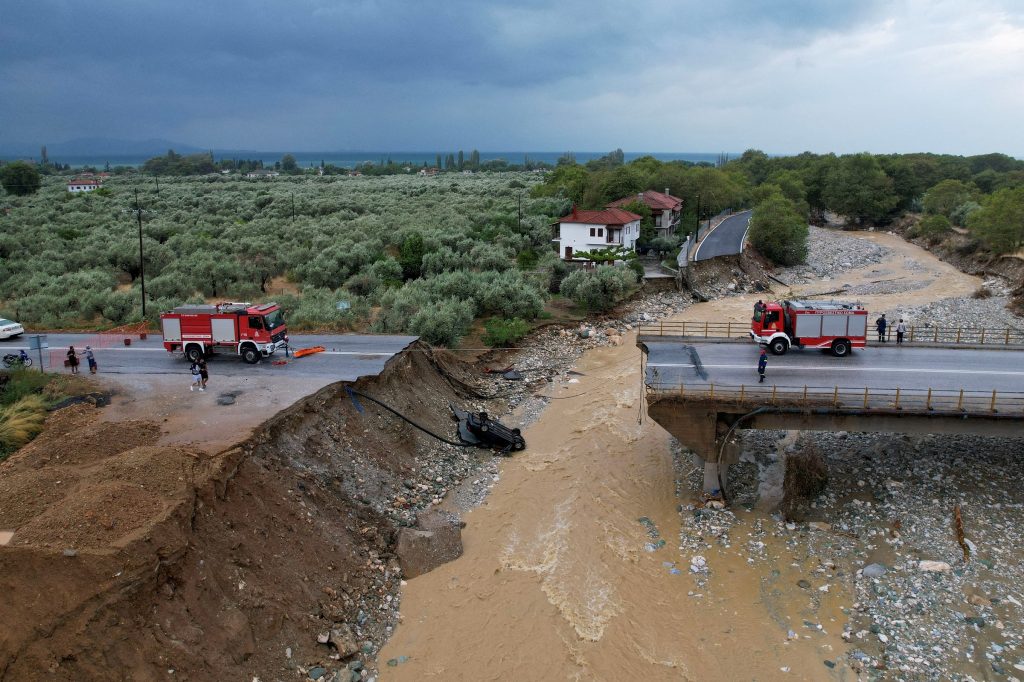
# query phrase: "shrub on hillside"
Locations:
[[442, 323], [502, 332], [599, 289], [932, 227]]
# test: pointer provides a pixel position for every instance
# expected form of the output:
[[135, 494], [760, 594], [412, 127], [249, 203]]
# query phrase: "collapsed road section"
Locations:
[[133, 558]]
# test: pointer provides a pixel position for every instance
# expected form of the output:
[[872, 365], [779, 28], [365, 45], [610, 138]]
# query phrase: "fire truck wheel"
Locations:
[[193, 352], [840, 348], [779, 346], [250, 354]]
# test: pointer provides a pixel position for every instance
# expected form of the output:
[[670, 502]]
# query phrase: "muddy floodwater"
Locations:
[[573, 567]]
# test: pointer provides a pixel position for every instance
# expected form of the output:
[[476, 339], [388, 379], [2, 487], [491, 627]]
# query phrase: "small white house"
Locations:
[[592, 230], [83, 185], [261, 174]]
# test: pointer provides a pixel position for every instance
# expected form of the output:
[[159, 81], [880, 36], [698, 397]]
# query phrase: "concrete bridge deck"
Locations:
[[702, 392]]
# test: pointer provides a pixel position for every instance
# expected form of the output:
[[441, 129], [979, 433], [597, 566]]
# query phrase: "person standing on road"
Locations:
[[901, 329], [196, 377], [90, 357], [73, 359], [881, 324], [762, 365], [204, 374]]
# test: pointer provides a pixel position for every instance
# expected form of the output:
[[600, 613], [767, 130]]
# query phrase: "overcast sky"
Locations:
[[588, 75]]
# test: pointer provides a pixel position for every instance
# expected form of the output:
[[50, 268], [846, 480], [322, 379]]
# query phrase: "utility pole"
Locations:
[[142, 266], [293, 207], [520, 211]]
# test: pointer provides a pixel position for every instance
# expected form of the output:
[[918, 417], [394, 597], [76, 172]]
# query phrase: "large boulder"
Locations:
[[436, 540]]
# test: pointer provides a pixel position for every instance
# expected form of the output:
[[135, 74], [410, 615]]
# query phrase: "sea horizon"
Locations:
[[350, 159]]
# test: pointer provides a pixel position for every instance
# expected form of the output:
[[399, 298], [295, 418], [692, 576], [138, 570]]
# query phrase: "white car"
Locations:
[[9, 329]]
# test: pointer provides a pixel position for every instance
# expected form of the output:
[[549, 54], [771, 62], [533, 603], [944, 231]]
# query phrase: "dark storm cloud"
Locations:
[[258, 73]]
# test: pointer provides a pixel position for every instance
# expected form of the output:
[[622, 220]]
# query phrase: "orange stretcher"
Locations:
[[308, 351]]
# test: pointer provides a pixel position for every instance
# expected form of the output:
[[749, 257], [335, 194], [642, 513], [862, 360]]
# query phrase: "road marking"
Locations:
[[708, 234], [850, 369]]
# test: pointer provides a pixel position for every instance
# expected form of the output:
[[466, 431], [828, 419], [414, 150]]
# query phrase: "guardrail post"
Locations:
[[897, 405], [958, 330], [835, 398], [993, 400], [774, 388], [705, 329], [936, 335], [1007, 341], [661, 328], [805, 396], [742, 392], [728, 330], [960, 402], [865, 397], [711, 391], [982, 335], [928, 401]]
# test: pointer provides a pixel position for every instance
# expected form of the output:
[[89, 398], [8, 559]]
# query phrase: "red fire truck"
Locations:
[[809, 324], [252, 331]]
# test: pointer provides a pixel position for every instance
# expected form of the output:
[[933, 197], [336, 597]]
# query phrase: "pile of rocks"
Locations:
[[987, 313], [830, 253]]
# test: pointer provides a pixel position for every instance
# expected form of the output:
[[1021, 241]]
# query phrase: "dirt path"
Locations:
[[561, 580]]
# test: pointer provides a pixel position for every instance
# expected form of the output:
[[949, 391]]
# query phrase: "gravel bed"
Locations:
[[987, 313], [831, 252], [884, 531]]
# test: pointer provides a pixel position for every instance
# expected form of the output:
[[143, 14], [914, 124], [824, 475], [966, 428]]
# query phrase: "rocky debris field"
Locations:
[[986, 313], [927, 602], [830, 253]]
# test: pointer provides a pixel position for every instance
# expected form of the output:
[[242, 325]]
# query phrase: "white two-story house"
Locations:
[[665, 209], [592, 230]]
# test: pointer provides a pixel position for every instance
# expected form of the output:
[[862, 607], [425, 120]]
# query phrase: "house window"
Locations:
[[592, 232], [600, 232]]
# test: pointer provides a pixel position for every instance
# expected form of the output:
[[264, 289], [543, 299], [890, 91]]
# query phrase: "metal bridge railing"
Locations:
[[972, 336], [931, 401]]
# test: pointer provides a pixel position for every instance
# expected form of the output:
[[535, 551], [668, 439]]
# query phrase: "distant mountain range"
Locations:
[[99, 146]]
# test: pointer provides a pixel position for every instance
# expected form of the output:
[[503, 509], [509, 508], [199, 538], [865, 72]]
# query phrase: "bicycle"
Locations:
[[14, 361]]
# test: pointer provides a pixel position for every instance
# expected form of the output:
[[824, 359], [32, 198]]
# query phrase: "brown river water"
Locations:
[[557, 581]]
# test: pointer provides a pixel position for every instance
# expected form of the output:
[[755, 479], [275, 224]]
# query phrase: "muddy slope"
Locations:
[[131, 560]]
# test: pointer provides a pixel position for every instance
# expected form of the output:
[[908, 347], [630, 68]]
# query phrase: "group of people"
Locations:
[[73, 360], [200, 374], [882, 325]]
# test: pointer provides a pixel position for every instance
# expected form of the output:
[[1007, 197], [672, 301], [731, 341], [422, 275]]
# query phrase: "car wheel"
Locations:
[[779, 346], [193, 352], [250, 355], [840, 348]]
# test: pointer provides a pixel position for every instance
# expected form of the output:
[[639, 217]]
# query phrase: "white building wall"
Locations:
[[577, 235]]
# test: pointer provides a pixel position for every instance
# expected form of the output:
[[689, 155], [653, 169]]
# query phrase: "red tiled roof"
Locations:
[[83, 182], [656, 201], [609, 216]]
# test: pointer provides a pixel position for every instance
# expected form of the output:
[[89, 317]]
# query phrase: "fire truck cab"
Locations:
[[251, 331], [840, 327]]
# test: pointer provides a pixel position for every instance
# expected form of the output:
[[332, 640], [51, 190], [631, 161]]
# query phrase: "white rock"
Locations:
[[934, 566]]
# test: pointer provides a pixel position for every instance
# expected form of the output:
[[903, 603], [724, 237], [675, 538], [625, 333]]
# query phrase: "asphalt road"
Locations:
[[669, 363], [726, 239], [347, 357]]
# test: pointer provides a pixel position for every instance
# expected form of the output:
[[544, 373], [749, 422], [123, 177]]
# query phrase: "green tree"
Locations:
[[410, 255], [859, 189], [1000, 221], [289, 164], [778, 231], [945, 197], [20, 178], [932, 227], [462, 160]]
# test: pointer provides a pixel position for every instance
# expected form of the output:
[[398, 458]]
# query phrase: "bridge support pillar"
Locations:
[[702, 431]]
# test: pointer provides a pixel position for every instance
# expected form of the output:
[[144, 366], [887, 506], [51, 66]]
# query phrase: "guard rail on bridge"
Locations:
[[967, 336], [839, 399]]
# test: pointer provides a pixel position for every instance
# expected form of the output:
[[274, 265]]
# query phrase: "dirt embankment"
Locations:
[[135, 560]]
